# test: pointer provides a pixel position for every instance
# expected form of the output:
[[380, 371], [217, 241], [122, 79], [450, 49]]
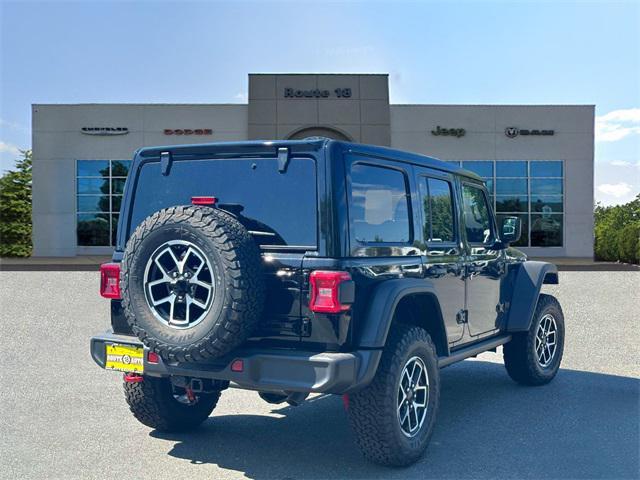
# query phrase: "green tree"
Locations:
[[617, 232], [15, 209]]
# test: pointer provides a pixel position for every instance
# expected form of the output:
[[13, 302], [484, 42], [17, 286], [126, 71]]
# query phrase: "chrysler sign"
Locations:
[[105, 130]]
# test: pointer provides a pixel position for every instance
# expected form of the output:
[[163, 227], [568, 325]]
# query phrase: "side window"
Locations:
[[438, 211], [379, 206], [476, 214]]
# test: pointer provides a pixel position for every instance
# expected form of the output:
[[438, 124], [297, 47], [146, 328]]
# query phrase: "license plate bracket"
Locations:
[[124, 358]]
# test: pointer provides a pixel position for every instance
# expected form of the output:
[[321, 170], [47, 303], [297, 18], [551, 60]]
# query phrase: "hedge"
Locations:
[[15, 209], [617, 232]]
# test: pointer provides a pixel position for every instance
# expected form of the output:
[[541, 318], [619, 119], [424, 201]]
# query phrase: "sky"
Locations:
[[472, 52]]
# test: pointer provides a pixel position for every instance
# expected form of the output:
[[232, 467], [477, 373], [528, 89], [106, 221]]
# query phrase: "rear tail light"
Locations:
[[110, 280], [237, 365], [152, 357], [331, 291]]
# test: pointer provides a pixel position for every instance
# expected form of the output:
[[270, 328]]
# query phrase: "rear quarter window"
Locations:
[[378, 205]]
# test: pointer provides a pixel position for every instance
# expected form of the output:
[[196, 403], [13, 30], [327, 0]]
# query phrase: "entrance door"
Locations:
[[484, 266]]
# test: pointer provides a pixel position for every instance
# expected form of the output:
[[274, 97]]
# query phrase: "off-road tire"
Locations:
[[373, 410], [240, 290], [153, 404], [520, 358]]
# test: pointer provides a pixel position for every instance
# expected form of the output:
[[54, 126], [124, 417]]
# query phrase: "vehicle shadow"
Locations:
[[582, 425]]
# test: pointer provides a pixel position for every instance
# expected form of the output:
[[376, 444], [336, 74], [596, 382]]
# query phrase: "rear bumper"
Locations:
[[266, 370]]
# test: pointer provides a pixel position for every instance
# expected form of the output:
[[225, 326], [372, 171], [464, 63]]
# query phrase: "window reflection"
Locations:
[[99, 188], [508, 186], [379, 204], [526, 189], [546, 169], [438, 208], [477, 220], [481, 168], [546, 230], [512, 203], [546, 186], [511, 169]]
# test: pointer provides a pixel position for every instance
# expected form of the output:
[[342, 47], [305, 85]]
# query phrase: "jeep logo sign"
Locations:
[[513, 132], [188, 131], [452, 132], [104, 130]]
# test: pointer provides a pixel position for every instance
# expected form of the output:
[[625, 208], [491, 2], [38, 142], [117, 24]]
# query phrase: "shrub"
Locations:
[[617, 232], [15, 209]]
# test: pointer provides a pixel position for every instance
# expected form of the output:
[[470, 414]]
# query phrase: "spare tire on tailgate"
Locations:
[[192, 285]]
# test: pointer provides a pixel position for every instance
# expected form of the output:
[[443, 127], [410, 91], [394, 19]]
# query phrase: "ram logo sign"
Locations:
[[513, 132]]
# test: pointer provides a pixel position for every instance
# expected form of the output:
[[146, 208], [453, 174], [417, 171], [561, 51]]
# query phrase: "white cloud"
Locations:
[[617, 190], [9, 149], [618, 124], [624, 163], [242, 96]]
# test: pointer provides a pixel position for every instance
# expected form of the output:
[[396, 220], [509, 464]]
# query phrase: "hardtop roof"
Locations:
[[261, 147]]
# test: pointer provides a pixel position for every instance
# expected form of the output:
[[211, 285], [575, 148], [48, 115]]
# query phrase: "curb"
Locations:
[[49, 268]]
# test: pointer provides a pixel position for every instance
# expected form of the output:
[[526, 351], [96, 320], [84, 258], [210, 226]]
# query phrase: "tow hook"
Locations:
[[190, 395], [132, 378]]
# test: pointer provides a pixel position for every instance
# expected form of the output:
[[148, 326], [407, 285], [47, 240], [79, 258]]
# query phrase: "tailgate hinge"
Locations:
[[165, 163], [283, 159]]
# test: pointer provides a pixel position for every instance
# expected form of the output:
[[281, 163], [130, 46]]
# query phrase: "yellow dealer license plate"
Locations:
[[125, 358]]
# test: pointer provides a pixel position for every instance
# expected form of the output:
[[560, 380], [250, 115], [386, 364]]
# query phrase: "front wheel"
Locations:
[[533, 357], [158, 404], [393, 417]]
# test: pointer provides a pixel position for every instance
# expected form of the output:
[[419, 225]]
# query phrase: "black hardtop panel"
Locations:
[[245, 148], [407, 157], [296, 147]]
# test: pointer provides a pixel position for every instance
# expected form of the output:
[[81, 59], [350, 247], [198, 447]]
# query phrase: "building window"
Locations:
[[532, 190], [99, 188]]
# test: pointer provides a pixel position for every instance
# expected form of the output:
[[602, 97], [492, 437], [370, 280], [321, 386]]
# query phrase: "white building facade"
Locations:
[[538, 160]]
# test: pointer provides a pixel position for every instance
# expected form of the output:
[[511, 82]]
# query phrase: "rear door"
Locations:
[[442, 254], [279, 209]]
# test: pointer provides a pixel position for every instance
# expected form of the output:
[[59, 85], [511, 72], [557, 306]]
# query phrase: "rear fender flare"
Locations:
[[382, 306], [526, 290]]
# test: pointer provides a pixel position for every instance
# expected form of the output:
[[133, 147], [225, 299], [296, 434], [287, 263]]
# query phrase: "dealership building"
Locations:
[[538, 160]]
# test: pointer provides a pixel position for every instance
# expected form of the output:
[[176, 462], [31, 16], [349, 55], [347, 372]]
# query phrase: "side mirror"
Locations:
[[511, 229]]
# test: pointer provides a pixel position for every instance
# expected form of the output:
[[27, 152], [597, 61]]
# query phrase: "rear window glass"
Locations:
[[279, 209]]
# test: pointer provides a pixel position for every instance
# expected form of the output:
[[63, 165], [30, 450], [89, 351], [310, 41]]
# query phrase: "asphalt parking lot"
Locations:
[[63, 417]]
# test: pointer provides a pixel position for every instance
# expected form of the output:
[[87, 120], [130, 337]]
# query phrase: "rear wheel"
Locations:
[[158, 404], [533, 357], [393, 417]]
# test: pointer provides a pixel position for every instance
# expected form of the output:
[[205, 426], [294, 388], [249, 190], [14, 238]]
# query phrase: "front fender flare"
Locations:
[[526, 290], [385, 299]]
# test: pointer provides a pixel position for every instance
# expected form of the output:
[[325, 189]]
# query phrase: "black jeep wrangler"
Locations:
[[291, 267]]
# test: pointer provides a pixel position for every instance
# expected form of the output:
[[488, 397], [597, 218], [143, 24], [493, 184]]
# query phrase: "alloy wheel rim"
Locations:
[[546, 341], [413, 396], [178, 284]]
